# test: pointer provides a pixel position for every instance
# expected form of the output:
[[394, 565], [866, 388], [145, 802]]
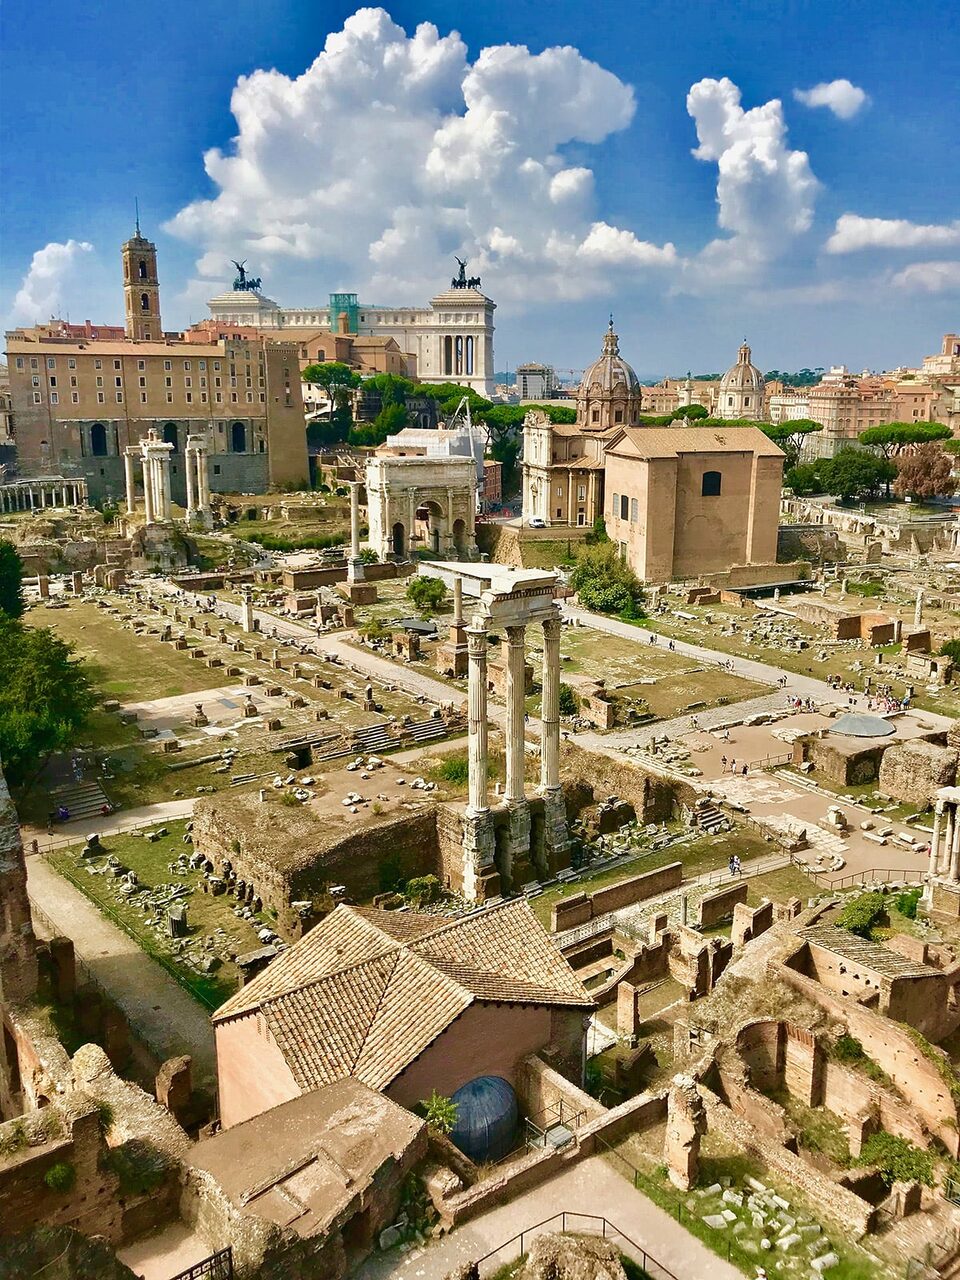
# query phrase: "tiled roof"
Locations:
[[866, 953], [671, 442], [366, 991]]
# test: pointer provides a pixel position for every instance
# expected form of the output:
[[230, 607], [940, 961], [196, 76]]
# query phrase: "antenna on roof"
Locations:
[[136, 205]]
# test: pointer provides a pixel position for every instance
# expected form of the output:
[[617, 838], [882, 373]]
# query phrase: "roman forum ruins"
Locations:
[[153, 455]]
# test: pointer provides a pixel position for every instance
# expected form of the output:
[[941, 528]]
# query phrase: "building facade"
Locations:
[[79, 403], [536, 381], [686, 501], [563, 462], [449, 340]]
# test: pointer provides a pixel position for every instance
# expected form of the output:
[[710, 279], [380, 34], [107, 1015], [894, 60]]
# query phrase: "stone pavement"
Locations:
[[164, 1014], [123, 820], [592, 1186]]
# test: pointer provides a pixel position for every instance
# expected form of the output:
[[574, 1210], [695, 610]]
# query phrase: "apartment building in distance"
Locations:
[[82, 394]]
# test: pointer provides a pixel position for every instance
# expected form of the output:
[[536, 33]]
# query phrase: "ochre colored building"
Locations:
[[404, 1003], [685, 501], [78, 401]]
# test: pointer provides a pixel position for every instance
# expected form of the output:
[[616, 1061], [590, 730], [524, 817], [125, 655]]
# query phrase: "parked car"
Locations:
[[535, 522]]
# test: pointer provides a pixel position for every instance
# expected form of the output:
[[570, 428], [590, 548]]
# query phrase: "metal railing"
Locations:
[[219, 1266], [573, 1224], [875, 875]]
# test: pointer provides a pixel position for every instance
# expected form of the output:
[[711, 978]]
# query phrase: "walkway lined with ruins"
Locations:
[[592, 1186], [164, 1015]]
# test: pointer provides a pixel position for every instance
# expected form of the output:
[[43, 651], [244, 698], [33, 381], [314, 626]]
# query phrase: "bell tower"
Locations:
[[141, 289]]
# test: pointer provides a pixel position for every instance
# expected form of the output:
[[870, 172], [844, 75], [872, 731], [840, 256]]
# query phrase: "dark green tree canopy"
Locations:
[[11, 580], [789, 436], [45, 698], [893, 435], [852, 473]]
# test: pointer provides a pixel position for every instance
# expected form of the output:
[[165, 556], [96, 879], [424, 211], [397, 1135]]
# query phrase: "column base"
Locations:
[[355, 571], [358, 592], [481, 880], [514, 861], [557, 844], [943, 899]]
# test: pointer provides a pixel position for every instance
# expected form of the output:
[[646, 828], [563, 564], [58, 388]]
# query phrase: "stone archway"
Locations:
[[98, 440], [460, 536], [433, 515], [398, 541]]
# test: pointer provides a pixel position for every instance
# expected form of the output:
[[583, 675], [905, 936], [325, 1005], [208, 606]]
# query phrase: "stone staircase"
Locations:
[[710, 819], [83, 800]]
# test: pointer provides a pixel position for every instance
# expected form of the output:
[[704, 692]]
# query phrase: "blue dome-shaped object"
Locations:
[[487, 1114]]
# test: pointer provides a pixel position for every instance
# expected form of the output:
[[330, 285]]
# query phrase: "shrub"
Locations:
[[440, 1112], [907, 902], [896, 1159], [426, 593], [453, 768], [422, 890], [951, 649], [60, 1176], [568, 701], [604, 581], [861, 913]]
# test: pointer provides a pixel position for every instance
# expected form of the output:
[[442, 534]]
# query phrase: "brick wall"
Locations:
[[716, 906]]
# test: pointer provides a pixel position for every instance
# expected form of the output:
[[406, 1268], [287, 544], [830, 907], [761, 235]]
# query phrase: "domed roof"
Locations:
[[743, 376], [611, 373], [855, 725]]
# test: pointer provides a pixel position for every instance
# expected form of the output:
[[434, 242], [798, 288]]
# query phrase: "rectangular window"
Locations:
[[202, 364], [34, 363], [73, 379], [168, 382], [249, 397], [233, 397], [203, 397], [75, 397], [143, 397], [581, 493], [188, 382], [141, 364], [216, 382], [186, 364], [216, 468], [118, 382], [98, 364], [100, 397], [143, 382], [167, 365], [615, 510], [262, 398], [203, 382], [54, 397], [72, 362], [37, 398], [51, 362], [634, 510], [624, 507], [219, 398], [119, 397], [216, 367], [35, 380], [53, 380], [189, 397], [100, 382], [19, 362], [116, 364], [169, 397]]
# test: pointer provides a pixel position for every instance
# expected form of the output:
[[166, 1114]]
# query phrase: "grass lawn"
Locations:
[[720, 1163], [778, 886], [205, 914], [709, 853], [132, 668]]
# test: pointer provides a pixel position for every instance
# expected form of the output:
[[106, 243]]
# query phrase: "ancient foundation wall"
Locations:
[[581, 907], [655, 798], [547, 1097], [718, 905], [922, 1074]]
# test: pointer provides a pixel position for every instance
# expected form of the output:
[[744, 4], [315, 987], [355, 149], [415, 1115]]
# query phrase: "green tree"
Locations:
[[605, 582], [855, 473], [336, 378], [805, 478], [391, 419], [45, 698], [392, 388], [689, 411], [892, 436], [557, 413], [925, 473], [789, 436], [11, 580], [567, 701], [426, 593], [951, 649]]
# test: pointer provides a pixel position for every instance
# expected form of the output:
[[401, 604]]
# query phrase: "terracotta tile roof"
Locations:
[[671, 442], [367, 991]]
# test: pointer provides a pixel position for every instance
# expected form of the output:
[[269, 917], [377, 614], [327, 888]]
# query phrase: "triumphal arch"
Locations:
[[422, 504]]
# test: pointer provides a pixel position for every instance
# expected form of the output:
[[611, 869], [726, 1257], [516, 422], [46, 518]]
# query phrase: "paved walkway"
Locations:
[[165, 1015], [122, 820], [591, 1186]]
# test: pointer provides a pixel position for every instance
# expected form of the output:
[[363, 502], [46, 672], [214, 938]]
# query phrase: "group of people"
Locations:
[[734, 865], [735, 768]]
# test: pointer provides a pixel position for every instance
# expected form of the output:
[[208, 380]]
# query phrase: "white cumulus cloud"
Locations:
[[839, 96], [765, 191], [391, 152], [853, 233], [929, 277], [43, 288]]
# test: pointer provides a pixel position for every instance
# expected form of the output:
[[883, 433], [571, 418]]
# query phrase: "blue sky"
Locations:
[[824, 228]]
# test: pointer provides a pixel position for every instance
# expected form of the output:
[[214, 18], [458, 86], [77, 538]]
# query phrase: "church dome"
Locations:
[[609, 394], [741, 389], [742, 376], [611, 373]]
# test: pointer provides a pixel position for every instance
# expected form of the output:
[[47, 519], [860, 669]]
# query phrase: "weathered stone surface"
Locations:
[[557, 1257], [913, 771], [686, 1123]]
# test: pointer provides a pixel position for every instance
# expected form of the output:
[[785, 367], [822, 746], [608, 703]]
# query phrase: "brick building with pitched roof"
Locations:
[[403, 1002]]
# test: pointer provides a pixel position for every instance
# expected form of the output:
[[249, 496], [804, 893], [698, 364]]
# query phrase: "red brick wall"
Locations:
[[581, 907]]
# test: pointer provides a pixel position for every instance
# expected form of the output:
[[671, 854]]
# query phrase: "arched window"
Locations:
[[170, 435], [144, 302], [98, 440], [710, 488], [238, 438], [142, 270]]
